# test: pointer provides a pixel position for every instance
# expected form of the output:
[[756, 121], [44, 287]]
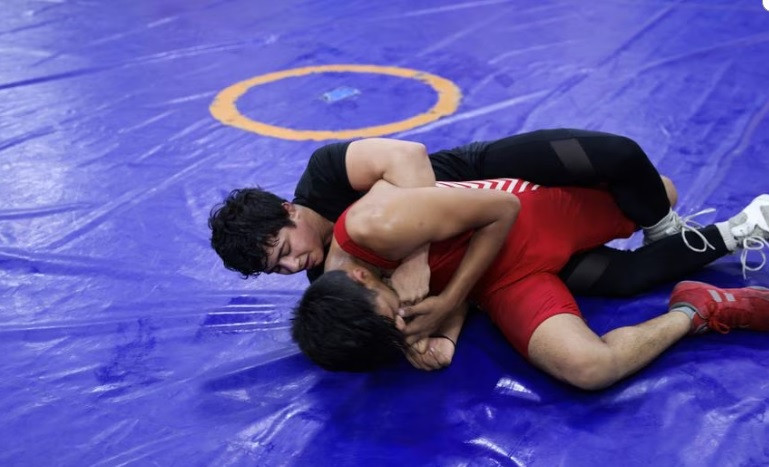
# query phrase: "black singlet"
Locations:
[[325, 188]]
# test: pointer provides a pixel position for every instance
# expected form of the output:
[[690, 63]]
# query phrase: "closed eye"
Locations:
[[277, 268]]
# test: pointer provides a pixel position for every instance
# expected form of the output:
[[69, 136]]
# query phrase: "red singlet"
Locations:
[[521, 288]]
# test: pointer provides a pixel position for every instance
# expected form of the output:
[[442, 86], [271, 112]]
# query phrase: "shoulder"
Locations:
[[373, 213], [329, 153], [325, 167]]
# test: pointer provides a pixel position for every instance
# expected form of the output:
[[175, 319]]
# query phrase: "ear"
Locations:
[[290, 208], [359, 275]]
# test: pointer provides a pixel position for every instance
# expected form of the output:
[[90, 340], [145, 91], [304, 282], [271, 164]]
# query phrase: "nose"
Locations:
[[290, 264]]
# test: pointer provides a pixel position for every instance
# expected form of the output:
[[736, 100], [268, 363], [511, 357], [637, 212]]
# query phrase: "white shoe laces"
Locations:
[[689, 225], [752, 243]]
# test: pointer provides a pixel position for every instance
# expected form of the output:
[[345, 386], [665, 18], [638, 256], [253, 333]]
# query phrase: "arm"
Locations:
[[433, 353], [452, 326], [411, 279], [404, 164], [394, 222]]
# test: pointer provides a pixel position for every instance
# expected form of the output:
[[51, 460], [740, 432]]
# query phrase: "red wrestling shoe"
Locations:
[[722, 309]]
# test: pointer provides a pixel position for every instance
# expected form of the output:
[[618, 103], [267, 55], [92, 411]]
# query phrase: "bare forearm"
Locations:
[[419, 257], [483, 248], [453, 324], [411, 279]]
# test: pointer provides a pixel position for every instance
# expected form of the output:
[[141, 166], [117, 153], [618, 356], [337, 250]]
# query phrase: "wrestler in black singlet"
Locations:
[[559, 157]]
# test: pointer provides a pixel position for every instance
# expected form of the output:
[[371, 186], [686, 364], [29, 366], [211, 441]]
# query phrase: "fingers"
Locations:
[[414, 331], [414, 338], [406, 298], [431, 359], [443, 360], [415, 361], [434, 360], [420, 360], [423, 363], [420, 346], [400, 324], [410, 311], [417, 328], [412, 297], [421, 294]]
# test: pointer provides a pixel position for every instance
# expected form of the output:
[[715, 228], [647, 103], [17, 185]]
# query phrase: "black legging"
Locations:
[[577, 157], [609, 272], [565, 157]]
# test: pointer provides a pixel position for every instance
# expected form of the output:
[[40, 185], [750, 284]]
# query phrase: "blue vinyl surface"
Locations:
[[125, 342]]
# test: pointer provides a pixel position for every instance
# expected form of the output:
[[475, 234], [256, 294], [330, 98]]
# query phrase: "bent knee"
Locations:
[[628, 151], [670, 190], [589, 371]]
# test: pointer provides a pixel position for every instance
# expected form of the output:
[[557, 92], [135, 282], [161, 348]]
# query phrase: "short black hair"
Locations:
[[245, 226], [336, 325]]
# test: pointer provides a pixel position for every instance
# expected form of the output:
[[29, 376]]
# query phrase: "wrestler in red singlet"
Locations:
[[521, 288]]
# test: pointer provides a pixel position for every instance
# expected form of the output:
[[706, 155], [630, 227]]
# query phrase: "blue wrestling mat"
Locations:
[[124, 340]]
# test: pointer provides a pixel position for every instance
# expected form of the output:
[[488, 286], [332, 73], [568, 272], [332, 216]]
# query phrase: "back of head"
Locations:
[[336, 325], [244, 227]]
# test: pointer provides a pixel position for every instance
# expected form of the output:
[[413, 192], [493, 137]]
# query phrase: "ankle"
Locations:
[[726, 234], [682, 317], [662, 223], [686, 310]]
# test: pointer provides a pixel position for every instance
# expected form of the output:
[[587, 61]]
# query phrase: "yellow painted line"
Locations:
[[224, 107]]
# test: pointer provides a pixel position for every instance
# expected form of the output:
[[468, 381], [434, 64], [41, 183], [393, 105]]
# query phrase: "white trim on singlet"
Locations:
[[508, 185]]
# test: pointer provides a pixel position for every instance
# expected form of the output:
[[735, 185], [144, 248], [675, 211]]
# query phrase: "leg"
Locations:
[[712, 308], [608, 272], [566, 348], [540, 318], [577, 157]]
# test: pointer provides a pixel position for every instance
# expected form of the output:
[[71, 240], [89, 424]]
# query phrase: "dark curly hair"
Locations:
[[244, 227], [336, 325]]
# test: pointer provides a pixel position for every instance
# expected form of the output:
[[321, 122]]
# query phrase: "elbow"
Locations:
[[419, 148], [513, 206], [515, 202], [413, 149]]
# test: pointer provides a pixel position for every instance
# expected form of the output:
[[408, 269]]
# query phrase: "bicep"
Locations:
[[420, 216], [372, 159], [447, 212]]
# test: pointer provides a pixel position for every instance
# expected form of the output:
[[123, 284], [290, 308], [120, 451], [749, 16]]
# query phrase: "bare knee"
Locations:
[[564, 347], [671, 190], [591, 370]]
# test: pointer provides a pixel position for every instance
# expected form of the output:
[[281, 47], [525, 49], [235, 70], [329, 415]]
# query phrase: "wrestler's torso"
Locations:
[[552, 225]]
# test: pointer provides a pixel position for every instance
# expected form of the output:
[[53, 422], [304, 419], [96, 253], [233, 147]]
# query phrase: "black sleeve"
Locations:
[[324, 186]]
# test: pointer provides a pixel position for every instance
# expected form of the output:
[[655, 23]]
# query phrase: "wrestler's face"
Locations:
[[297, 247], [385, 299]]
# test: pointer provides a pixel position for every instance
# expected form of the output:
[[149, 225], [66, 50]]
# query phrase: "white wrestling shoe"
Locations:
[[672, 224], [750, 229]]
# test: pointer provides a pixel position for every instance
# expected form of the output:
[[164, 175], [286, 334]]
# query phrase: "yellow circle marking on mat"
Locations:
[[224, 107]]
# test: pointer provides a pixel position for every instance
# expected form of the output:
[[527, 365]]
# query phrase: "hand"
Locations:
[[431, 353], [424, 318], [411, 280]]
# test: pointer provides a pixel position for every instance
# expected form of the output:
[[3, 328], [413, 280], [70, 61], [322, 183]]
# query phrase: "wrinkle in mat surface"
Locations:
[[126, 343]]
